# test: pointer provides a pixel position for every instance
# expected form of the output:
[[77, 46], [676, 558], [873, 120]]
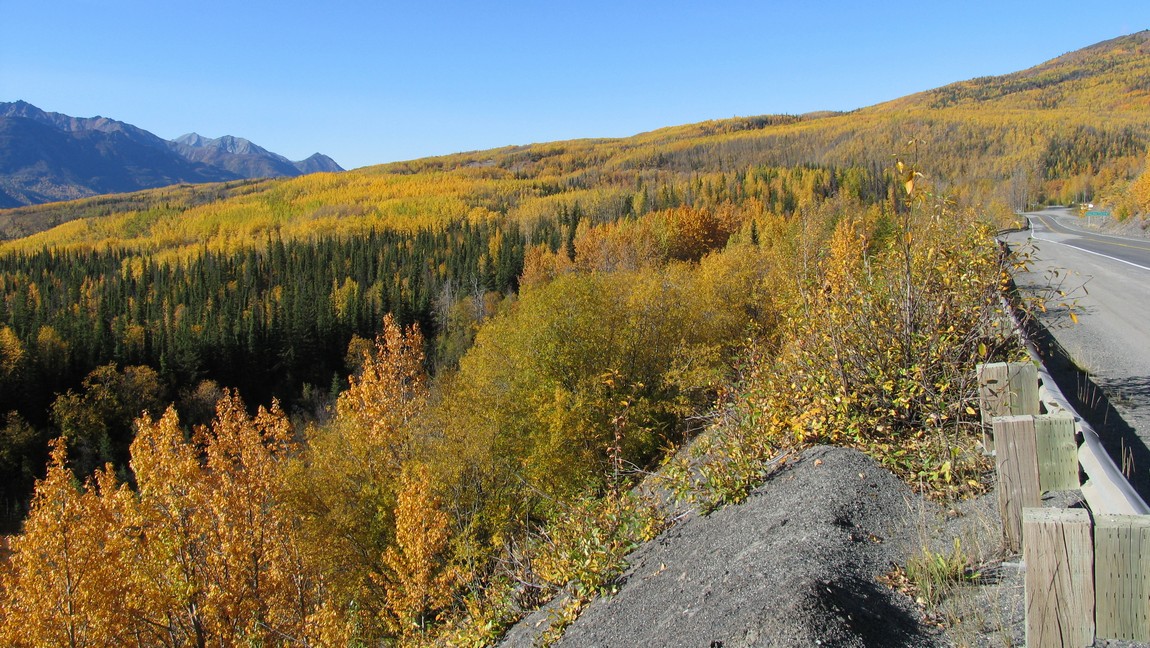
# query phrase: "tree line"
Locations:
[[263, 321]]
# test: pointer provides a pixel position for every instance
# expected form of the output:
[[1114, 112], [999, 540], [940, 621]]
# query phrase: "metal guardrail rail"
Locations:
[[1106, 489]]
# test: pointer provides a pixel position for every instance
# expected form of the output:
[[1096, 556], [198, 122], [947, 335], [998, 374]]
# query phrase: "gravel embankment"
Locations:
[[795, 565]]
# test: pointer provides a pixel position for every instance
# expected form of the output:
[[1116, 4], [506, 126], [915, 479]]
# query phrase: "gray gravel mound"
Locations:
[[795, 565]]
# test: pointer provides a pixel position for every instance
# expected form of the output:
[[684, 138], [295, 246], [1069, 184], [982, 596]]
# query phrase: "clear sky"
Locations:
[[368, 82]]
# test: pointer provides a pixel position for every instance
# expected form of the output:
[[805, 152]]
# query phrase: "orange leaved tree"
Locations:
[[202, 552]]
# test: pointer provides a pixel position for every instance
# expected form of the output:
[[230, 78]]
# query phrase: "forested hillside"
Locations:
[[409, 401]]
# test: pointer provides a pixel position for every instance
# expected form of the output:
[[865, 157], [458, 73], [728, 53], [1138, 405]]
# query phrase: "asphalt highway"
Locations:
[[1051, 226], [1105, 347]]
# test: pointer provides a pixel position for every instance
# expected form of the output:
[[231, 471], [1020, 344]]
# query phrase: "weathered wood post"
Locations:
[[1059, 557], [1005, 389], [1035, 454], [1121, 570], [1016, 461], [1057, 452]]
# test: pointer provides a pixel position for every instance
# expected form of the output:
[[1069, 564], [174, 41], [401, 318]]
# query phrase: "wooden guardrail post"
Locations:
[[1016, 461], [1121, 571], [1057, 452], [1035, 454], [1059, 584], [1005, 389]]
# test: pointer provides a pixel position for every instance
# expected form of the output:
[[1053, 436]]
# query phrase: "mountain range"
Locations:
[[47, 157]]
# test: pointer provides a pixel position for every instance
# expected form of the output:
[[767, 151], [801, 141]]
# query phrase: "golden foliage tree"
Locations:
[[12, 353], [64, 585], [256, 584], [1141, 190], [421, 580], [170, 564], [344, 487], [389, 390], [203, 552]]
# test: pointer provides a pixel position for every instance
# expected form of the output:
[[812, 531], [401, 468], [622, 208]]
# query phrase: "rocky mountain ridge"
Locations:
[[48, 156]]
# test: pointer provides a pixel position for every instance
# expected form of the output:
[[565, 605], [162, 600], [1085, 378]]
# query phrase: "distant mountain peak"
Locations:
[[316, 163], [19, 108], [227, 143], [247, 158], [195, 140], [52, 156]]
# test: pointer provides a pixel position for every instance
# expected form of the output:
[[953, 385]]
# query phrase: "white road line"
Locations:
[[1104, 256], [1073, 229]]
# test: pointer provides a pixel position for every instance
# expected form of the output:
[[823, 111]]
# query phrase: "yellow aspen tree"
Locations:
[[62, 585], [390, 389], [258, 590], [113, 522], [421, 581], [344, 488], [1141, 190], [218, 560], [847, 246], [11, 353], [169, 567], [541, 265]]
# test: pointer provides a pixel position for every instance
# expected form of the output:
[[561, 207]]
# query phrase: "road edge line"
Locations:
[[1104, 256]]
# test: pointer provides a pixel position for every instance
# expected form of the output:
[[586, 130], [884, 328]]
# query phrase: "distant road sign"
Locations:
[[1097, 213]]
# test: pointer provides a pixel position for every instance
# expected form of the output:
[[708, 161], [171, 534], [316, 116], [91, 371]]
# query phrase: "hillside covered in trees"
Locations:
[[407, 402]]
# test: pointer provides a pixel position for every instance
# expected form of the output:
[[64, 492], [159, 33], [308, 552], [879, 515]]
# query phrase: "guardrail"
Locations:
[[1087, 571], [1106, 488]]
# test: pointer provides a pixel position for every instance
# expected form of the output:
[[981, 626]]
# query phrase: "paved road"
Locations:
[[1107, 352], [1057, 226]]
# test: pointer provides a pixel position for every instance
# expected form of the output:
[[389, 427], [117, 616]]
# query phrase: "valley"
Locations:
[[411, 403]]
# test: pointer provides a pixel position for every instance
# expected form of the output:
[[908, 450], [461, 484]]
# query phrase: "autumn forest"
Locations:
[[404, 404]]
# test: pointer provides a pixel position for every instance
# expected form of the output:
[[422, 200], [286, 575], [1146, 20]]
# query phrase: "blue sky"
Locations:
[[371, 82]]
